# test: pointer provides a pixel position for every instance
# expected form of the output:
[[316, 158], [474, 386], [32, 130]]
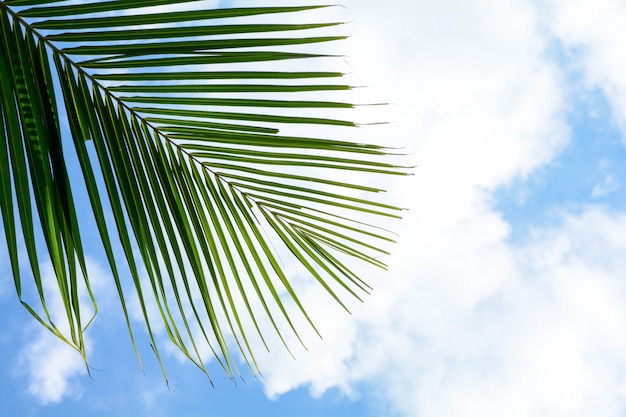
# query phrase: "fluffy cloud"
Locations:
[[467, 322], [480, 328], [544, 337], [587, 29], [53, 370], [608, 184]]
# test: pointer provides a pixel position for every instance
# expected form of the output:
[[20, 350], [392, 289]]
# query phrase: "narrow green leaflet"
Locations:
[[214, 75], [165, 18], [177, 32], [196, 129]]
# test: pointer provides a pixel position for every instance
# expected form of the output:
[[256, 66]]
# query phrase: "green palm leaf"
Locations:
[[200, 195]]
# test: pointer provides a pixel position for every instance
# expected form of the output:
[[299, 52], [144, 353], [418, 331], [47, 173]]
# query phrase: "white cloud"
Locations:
[[590, 30], [479, 328], [467, 323], [606, 186], [52, 367], [609, 182], [53, 370]]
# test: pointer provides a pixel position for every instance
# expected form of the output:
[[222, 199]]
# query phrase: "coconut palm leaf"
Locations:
[[175, 119]]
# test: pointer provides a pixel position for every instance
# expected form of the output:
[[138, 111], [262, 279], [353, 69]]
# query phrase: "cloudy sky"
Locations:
[[505, 294]]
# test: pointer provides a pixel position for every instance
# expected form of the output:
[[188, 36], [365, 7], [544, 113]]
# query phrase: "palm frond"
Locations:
[[199, 191]]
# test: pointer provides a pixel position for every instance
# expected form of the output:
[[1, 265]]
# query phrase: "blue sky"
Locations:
[[505, 294]]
